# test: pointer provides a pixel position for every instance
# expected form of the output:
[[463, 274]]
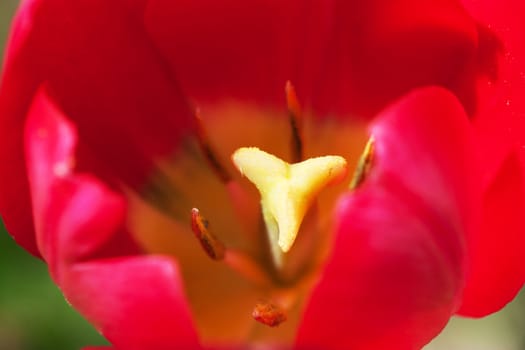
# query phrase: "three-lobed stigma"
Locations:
[[287, 190]]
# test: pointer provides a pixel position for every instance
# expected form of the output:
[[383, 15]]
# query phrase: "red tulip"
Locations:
[[119, 119]]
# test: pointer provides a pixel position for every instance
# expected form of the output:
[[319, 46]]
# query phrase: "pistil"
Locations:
[[287, 191]]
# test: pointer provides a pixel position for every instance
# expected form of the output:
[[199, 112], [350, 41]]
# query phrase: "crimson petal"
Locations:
[[397, 269], [497, 272], [501, 109], [344, 57], [98, 63], [136, 302]]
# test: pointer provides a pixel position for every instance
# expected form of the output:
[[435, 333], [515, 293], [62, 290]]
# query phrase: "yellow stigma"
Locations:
[[287, 190]]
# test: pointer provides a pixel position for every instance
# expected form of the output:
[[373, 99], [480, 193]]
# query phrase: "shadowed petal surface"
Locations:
[[136, 302], [497, 273], [99, 65], [337, 52]]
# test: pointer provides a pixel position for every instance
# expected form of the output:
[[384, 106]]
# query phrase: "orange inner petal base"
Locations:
[[223, 298]]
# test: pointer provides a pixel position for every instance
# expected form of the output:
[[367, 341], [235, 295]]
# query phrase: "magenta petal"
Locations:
[[49, 145], [137, 303], [497, 271], [62, 201], [81, 217], [425, 142], [387, 285], [397, 268], [97, 60]]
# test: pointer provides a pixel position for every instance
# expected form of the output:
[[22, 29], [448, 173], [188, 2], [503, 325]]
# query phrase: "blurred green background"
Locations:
[[34, 315]]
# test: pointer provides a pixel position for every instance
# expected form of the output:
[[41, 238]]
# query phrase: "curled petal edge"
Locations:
[[137, 302], [418, 191]]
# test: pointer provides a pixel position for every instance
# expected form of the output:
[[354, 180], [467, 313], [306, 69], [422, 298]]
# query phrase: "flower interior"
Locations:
[[246, 207]]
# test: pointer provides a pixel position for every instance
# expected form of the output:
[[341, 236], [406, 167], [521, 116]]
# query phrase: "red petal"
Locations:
[[500, 121], [99, 65], [397, 268], [378, 50], [388, 285], [102, 70], [343, 56], [49, 145], [227, 49], [497, 271], [137, 303], [50, 142]]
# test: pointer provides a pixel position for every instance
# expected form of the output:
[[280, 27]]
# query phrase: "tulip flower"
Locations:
[[295, 174]]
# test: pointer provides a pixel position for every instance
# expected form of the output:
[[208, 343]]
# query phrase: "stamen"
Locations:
[[296, 122], [215, 249], [205, 147], [364, 164], [211, 244], [268, 314]]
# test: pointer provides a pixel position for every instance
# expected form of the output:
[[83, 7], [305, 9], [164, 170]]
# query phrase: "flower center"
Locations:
[[262, 249], [287, 191]]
